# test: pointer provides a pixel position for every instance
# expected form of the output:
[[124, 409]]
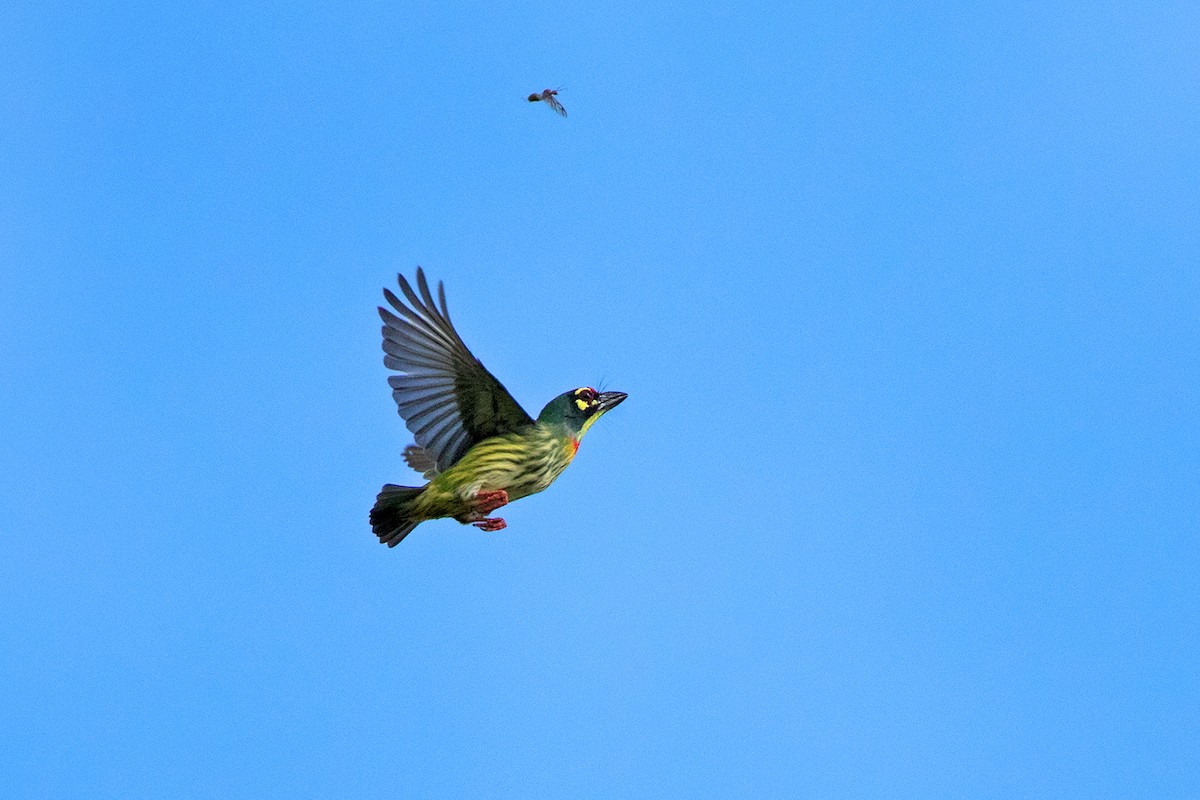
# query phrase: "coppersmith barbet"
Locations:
[[475, 444]]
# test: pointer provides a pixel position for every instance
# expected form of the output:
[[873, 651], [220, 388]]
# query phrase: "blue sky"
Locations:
[[904, 499]]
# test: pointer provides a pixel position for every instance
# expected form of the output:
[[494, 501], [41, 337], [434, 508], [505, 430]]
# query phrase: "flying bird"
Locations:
[[475, 445], [548, 96]]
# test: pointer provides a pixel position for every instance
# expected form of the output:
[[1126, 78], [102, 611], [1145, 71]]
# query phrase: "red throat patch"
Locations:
[[575, 447]]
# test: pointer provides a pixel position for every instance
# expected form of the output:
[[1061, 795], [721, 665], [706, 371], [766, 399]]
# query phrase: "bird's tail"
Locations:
[[393, 516]]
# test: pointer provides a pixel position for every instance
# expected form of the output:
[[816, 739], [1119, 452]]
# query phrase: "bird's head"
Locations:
[[579, 408]]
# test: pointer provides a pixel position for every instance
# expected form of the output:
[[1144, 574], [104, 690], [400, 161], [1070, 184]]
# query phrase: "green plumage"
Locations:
[[478, 446]]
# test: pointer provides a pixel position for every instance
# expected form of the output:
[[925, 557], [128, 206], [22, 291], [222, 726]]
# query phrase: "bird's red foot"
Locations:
[[491, 524], [487, 502]]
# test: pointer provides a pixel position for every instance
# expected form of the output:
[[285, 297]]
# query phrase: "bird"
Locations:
[[475, 445], [548, 96]]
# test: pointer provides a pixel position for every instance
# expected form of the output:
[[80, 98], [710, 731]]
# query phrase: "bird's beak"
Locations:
[[609, 400]]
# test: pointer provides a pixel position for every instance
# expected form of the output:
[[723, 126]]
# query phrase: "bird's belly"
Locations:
[[522, 480], [520, 470]]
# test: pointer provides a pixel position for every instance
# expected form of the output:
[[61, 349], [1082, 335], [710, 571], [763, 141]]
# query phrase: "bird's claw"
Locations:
[[486, 502]]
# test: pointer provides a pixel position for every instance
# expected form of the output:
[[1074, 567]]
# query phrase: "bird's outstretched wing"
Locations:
[[447, 398]]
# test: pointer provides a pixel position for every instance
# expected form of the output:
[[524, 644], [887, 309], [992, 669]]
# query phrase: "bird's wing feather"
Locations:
[[419, 459], [445, 395]]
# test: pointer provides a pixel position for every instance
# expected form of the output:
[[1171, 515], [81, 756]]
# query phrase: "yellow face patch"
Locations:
[[585, 398]]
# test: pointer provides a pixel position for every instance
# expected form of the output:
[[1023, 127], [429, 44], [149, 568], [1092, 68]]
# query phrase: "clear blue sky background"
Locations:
[[904, 499]]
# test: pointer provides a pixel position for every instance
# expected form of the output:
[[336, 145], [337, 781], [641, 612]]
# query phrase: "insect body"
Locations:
[[549, 97]]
